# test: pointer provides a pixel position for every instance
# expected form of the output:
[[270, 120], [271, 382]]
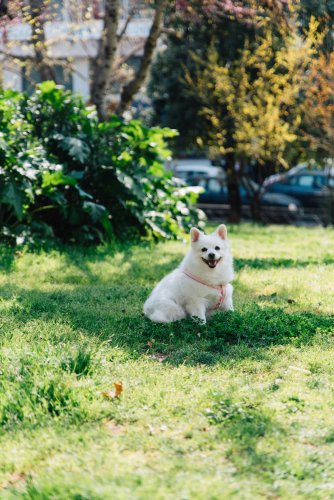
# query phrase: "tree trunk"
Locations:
[[233, 190], [38, 40], [253, 190], [256, 207], [131, 89], [103, 64]]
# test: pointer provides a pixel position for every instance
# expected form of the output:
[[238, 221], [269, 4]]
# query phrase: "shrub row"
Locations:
[[64, 174]]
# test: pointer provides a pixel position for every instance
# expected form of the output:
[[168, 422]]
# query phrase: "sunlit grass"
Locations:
[[239, 408]]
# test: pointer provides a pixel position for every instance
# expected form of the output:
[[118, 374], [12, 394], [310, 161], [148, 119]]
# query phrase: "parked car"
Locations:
[[274, 207], [301, 167], [191, 168], [314, 189]]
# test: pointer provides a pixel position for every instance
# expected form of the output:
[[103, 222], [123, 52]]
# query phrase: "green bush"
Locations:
[[64, 174]]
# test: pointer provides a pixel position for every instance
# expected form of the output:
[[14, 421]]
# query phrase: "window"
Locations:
[[202, 183], [54, 10], [141, 8], [30, 77], [319, 181], [77, 11], [305, 180], [214, 186], [290, 180]]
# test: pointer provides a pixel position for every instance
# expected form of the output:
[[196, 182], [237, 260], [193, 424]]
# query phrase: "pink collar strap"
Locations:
[[219, 288]]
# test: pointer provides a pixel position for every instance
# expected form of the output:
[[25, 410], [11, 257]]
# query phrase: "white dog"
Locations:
[[200, 286]]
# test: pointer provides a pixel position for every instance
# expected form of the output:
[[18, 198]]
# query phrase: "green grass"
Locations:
[[239, 408]]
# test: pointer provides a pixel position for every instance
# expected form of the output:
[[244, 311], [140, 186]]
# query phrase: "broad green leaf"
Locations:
[[95, 210], [76, 148], [47, 86], [12, 195], [56, 179]]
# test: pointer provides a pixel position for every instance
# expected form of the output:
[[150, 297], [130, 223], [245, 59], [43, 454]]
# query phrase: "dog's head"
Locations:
[[209, 249]]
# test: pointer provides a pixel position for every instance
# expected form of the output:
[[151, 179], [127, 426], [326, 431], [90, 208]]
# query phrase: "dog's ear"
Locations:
[[222, 231], [195, 234]]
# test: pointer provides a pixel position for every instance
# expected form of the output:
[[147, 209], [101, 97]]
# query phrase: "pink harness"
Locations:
[[220, 288]]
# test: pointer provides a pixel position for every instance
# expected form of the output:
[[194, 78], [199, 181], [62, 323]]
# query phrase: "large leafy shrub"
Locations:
[[63, 173]]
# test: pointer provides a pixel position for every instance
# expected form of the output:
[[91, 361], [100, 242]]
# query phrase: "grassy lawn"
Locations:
[[240, 408]]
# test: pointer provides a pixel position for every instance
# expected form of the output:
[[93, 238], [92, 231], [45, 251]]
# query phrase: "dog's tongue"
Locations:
[[212, 263]]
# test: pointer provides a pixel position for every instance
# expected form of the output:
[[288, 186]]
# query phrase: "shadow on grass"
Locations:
[[243, 423], [7, 258], [264, 264], [113, 314], [140, 264]]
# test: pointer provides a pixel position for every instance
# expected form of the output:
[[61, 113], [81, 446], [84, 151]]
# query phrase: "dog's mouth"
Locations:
[[211, 262]]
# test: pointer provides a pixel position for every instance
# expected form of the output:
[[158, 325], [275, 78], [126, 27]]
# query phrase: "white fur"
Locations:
[[177, 295]]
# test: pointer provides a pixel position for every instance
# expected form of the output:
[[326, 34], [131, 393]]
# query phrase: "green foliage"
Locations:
[[238, 88], [64, 174], [252, 104], [195, 30], [323, 11]]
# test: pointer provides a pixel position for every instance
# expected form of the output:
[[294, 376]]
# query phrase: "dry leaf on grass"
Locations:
[[114, 394]]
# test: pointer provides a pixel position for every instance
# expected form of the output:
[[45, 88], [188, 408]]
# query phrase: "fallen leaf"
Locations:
[[114, 394], [150, 343]]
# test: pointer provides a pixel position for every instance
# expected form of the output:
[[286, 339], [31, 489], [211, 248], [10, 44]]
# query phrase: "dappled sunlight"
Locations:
[[227, 392]]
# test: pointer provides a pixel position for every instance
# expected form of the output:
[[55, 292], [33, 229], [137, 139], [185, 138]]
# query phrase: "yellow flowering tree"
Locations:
[[251, 105]]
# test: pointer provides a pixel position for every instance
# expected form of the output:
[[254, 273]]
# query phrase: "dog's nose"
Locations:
[[211, 255]]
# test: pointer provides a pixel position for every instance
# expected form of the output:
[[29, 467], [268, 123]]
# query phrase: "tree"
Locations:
[[323, 12], [250, 106], [108, 61], [192, 29], [318, 106], [232, 9], [228, 29], [104, 62]]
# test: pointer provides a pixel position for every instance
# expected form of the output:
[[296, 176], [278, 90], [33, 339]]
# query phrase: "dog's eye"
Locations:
[[204, 249], [217, 248]]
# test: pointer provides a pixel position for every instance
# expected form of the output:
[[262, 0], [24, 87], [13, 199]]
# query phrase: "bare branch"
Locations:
[[134, 85], [125, 27], [121, 60]]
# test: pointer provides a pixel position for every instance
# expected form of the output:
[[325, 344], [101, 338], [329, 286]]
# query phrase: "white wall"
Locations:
[[80, 77]]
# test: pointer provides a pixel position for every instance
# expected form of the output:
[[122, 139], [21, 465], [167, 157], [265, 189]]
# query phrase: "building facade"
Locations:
[[72, 31]]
